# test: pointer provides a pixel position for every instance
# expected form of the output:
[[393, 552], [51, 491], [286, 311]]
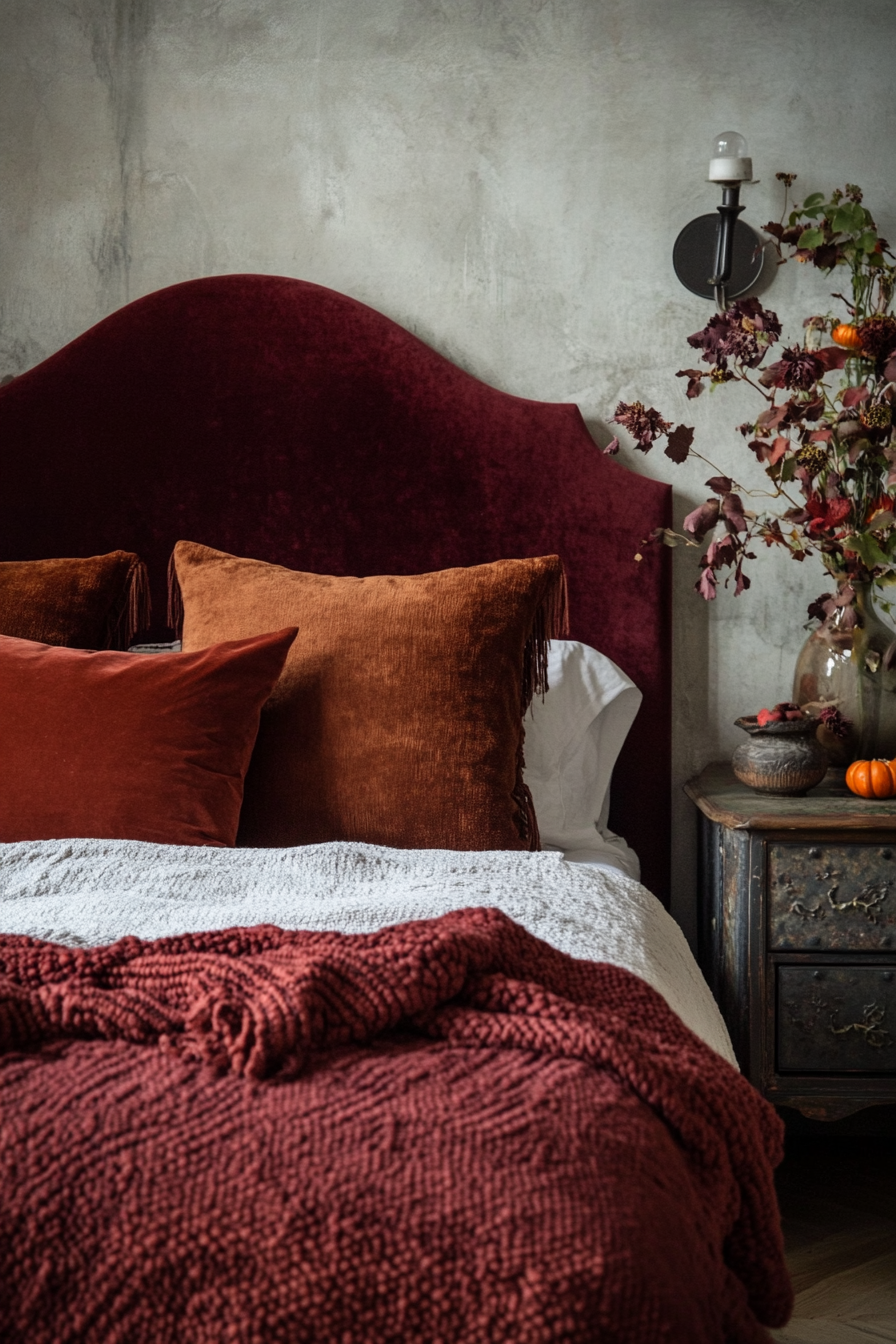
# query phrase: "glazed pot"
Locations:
[[785, 759]]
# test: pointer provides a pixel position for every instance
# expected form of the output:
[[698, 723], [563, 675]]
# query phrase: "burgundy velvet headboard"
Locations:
[[277, 419]]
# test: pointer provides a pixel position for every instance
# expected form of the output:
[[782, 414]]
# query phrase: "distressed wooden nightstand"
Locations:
[[797, 938]]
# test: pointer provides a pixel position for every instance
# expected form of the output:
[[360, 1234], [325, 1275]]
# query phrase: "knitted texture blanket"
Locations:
[[443, 1131]]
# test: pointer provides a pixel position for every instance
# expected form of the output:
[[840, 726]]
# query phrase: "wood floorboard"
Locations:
[[838, 1211], [833, 1332], [866, 1291], [812, 1264]]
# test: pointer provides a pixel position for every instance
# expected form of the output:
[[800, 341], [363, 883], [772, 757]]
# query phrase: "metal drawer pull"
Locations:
[[868, 901], [870, 1027]]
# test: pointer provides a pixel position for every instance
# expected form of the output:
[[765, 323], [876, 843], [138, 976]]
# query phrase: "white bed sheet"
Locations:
[[88, 892]]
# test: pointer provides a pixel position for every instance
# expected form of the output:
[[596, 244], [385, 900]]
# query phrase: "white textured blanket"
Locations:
[[84, 892]]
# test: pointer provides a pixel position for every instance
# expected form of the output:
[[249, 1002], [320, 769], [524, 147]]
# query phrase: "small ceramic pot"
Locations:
[[785, 759]]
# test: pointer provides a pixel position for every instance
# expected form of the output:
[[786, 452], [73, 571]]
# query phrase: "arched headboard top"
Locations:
[[275, 418]]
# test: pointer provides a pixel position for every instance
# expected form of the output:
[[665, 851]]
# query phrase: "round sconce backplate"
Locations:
[[694, 253]]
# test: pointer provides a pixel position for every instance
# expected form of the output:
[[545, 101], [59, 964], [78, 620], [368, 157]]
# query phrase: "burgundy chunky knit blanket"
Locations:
[[445, 1131]]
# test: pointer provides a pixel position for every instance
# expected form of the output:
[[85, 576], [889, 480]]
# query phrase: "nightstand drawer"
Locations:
[[836, 1019], [835, 898]]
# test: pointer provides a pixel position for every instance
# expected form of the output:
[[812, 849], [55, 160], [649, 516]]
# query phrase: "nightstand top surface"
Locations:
[[722, 798]]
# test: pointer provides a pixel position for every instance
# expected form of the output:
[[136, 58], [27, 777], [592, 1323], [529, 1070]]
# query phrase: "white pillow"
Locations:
[[573, 737]]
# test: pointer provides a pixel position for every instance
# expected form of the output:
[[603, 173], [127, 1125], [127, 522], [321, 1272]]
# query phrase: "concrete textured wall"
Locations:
[[503, 177]]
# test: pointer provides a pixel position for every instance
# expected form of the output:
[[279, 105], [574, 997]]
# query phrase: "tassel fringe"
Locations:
[[135, 610], [175, 601], [526, 820], [551, 622]]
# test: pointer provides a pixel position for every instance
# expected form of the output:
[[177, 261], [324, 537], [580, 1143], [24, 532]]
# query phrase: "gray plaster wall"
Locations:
[[504, 177]]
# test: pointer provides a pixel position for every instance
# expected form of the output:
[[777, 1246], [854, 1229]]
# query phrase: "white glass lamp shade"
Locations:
[[730, 161]]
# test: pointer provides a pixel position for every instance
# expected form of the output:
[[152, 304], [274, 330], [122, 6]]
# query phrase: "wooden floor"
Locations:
[[838, 1206]]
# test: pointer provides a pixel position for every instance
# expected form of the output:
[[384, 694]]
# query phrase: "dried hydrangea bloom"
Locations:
[[643, 423], [798, 370], [742, 333], [878, 337], [835, 722]]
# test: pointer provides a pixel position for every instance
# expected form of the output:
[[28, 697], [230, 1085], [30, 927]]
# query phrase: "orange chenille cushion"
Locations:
[[399, 716], [81, 602], [118, 746]]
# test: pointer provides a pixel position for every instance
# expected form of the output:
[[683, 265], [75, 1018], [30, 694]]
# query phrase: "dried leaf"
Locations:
[[740, 581], [825, 258], [733, 512], [664, 535], [832, 356], [612, 448], [770, 452], [823, 607], [720, 484], [721, 552], [775, 416], [706, 585], [679, 443], [702, 520], [695, 380]]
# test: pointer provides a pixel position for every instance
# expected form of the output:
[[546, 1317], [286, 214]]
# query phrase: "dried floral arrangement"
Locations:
[[828, 453]]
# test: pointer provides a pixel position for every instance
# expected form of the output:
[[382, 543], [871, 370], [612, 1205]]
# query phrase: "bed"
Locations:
[[332, 1088]]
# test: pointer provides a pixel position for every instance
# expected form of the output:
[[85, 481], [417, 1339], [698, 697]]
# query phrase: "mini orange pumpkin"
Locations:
[[872, 779], [847, 335]]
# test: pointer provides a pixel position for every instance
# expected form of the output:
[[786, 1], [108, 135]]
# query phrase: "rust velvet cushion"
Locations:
[[91, 602], [115, 746], [398, 717]]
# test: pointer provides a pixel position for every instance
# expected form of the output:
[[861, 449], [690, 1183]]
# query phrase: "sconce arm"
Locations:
[[728, 213]]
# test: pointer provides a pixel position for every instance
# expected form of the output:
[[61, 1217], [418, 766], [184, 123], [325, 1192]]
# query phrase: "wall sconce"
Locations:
[[719, 256]]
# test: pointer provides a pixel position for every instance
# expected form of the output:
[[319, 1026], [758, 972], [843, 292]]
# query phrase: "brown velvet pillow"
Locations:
[[398, 717], [95, 602], [125, 748]]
